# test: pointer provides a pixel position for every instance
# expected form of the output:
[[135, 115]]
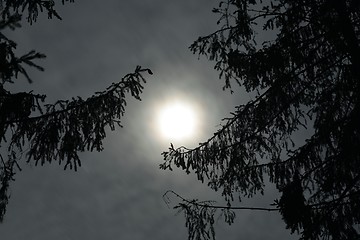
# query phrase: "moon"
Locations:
[[177, 121]]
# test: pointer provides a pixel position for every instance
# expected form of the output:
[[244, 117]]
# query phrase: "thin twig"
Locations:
[[218, 206]]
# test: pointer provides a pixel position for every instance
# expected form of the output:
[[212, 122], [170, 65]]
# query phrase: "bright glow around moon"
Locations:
[[177, 121]]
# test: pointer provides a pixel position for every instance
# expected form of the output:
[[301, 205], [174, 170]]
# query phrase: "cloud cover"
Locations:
[[117, 194]]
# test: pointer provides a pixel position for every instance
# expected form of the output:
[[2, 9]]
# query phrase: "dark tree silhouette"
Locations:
[[306, 75], [50, 132]]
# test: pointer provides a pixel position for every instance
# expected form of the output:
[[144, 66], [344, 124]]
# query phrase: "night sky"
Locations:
[[117, 193]]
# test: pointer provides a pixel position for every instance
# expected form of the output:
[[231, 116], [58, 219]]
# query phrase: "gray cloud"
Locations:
[[117, 194]]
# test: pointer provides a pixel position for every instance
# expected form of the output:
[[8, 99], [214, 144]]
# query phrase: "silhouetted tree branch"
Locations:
[[304, 77], [200, 215], [50, 132]]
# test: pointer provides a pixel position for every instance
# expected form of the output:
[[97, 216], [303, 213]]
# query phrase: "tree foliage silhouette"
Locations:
[[50, 132], [305, 76]]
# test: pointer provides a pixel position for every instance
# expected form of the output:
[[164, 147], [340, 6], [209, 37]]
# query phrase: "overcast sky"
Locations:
[[117, 193]]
